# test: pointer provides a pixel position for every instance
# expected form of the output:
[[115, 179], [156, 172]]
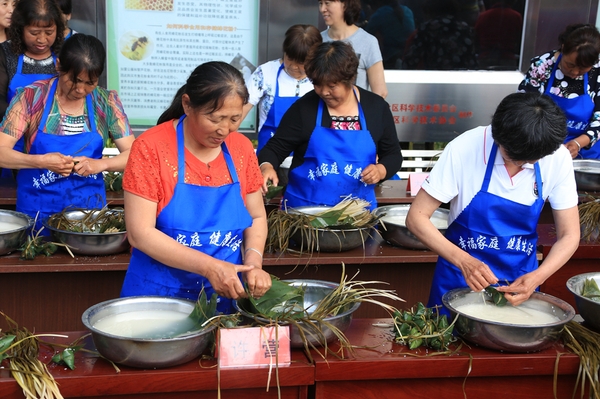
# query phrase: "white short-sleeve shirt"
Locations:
[[458, 175], [262, 84]]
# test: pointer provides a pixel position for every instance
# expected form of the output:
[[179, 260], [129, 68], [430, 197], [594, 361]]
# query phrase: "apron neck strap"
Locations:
[[181, 155], [361, 115], [490, 167]]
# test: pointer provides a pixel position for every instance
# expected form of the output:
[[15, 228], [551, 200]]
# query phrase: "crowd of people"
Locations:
[[193, 185]]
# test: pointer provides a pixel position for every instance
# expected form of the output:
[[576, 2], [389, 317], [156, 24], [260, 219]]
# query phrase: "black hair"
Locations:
[[298, 40], [82, 53], [207, 87], [44, 13], [352, 10], [332, 62], [528, 126], [66, 6], [583, 39]]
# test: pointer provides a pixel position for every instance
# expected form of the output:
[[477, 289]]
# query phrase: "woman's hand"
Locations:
[[268, 173], [477, 274], [85, 166], [373, 174], [575, 145], [259, 282], [223, 277], [520, 290], [58, 163]]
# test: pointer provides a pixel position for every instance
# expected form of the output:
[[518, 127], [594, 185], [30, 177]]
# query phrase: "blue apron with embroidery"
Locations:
[[332, 166], [499, 232], [578, 111], [47, 192], [208, 219]]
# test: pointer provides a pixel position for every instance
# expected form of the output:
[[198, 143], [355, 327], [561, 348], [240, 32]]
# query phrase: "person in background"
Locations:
[[64, 123], [570, 77], [443, 42], [343, 137], [66, 8], [340, 17], [36, 34], [498, 36], [496, 179], [193, 203], [6, 11], [277, 84], [392, 24]]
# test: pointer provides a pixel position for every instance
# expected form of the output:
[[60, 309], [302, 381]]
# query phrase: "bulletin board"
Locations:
[[153, 46]]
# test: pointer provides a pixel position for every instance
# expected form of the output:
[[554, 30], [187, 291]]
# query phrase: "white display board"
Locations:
[[153, 46]]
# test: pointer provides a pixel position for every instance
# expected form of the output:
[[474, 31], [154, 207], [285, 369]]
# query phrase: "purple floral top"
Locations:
[[564, 86]]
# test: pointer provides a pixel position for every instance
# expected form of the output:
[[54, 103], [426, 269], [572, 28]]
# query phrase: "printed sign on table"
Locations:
[[254, 347]]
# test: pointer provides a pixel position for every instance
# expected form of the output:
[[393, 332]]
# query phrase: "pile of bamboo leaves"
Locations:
[[96, 221], [589, 217], [283, 305], [585, 344], [19, 348], [283, 224]]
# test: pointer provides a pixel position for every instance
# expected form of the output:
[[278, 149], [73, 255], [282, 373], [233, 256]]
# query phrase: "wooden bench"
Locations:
[[417, 161]]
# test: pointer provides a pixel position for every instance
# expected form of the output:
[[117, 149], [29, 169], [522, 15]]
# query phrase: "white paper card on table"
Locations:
[[415, 181], [254, 347]]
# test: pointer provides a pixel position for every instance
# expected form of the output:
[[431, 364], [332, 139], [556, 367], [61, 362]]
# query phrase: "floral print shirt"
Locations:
[[537, 78]]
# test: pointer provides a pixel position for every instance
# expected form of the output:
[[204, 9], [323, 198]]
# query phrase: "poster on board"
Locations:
[[153, 46]]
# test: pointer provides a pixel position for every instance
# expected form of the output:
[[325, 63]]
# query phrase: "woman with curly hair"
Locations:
[[36, 34]]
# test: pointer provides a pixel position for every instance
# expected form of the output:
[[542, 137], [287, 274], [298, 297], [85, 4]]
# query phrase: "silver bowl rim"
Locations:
[[384, 208], [569, 311], [85, 319], [298, 210], [589, 161], [75, 233], [328, 284], [29, 219], [570, 283]]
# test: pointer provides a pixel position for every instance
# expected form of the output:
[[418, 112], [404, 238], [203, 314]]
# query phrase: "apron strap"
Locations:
[[551, 80], [361, 115], [277, 80], [490, 167], [48, 105]]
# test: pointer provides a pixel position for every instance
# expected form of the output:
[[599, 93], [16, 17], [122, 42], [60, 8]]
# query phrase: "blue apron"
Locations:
[[47, 192], [278, 108], [499, 232], [208, 219], [21, 80], [25, 79], [578, 111], [332, 166]]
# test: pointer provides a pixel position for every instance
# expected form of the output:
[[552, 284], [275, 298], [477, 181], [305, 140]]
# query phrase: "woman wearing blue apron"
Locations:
[[308, 185], [570, 77], [578, 111], [30, 54], [496, 180], [285, 75], [202, 233], [65, 122], [343, 137], [40, 190]]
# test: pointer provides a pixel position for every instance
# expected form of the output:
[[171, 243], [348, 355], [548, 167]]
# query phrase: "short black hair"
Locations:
[[528, 126], [332, 62], [82, 53]]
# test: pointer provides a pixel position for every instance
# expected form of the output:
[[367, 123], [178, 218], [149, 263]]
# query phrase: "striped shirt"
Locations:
[[25, 112]]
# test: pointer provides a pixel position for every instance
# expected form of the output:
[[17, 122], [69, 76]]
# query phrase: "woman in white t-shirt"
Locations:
[[277, 84], [496, 180]]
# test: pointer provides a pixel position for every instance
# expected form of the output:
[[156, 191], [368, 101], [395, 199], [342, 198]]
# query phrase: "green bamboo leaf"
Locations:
[[497, 297]]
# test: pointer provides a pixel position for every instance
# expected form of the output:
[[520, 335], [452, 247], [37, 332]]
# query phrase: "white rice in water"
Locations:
[[521, 315]]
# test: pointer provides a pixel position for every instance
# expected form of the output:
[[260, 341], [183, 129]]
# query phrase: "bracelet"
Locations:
[[255, 250], [578, 145]]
